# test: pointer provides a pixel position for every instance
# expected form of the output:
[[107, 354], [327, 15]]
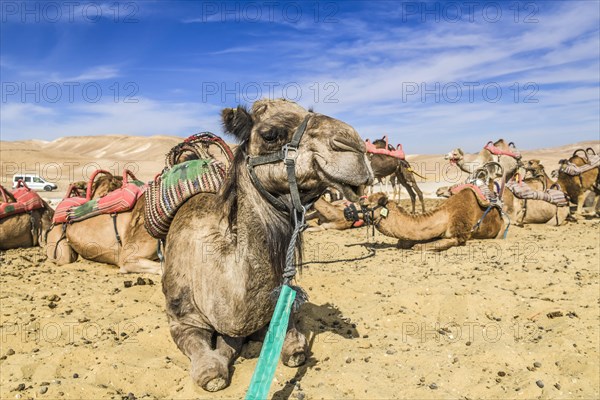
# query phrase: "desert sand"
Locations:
[[514, 318]]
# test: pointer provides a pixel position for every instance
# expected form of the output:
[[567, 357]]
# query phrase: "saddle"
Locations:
[[26, 200], [75, 207], [180, 181], [398, 153], [485, 196], [499, 152], [523, 191], [592, 160]]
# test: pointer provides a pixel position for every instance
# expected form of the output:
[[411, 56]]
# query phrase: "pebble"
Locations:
[[54, 298], [52, 304], [300, 395], [10, 352], [468, 343], [127, 284], [75, 375], [348, 360], [43, 389], [131, 396], [501, 373], [537, 364], [20, 387], [433, 386], [390, 351], [540, 384]]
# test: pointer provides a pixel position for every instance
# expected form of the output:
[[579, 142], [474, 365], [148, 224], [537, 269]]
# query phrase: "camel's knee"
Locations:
[[294, 349]]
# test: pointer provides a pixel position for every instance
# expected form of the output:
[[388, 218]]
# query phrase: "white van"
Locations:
[[34, 182]]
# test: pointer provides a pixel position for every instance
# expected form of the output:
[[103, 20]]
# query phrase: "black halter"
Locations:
[[288, 154]]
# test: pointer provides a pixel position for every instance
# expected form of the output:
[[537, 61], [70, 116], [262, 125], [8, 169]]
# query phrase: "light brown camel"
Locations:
[[95, 238], [531, 211], [26, 229], [225, 252], [577, 187], [471, 162], [399, 172], [328, 215], [451, 224]]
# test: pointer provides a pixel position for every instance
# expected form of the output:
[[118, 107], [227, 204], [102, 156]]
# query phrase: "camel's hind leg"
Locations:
[[58, 249], [295, 347], [444, 244]]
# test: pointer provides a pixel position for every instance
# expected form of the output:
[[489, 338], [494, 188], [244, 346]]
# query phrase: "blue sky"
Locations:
[[433, 76]]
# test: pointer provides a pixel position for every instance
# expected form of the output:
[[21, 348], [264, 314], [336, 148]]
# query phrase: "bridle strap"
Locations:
[[288, 154]]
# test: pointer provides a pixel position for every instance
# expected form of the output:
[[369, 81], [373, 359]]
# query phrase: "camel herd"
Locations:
[[225, 252]]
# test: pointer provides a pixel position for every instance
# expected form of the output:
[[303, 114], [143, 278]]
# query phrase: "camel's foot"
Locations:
[[405, 244], [141, 266], [294, 349], [211, 372]]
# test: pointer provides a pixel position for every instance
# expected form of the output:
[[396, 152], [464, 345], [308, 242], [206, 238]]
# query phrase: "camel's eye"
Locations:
[[273, 134]]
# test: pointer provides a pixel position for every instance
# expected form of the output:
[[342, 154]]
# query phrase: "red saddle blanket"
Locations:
[[398, 153], [499, 152], [74, 207], [25, 200], [483, 194]]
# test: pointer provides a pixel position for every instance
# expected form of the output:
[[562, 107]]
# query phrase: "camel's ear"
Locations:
[[462, 153], [383, 201], [238, 122]]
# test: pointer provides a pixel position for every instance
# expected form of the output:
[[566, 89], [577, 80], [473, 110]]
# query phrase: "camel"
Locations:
[[471, 162], [451, 224], [95, 238], [329, 216], [398, 170], [576, 187], [226, 252], [26, 229], [530, 211]]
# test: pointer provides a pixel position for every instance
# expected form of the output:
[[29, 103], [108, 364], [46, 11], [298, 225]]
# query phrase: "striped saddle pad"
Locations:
[[484, 195], [522, 190], [574, 170], [26, 200], [175, 186]]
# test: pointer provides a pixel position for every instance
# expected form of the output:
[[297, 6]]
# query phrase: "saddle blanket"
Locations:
[[574, 170], [484, 195], [175, 186], [523, 191], [26, 200], [499, 152]]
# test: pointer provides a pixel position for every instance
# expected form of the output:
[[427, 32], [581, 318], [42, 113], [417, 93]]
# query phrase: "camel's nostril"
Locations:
[[342, 143]]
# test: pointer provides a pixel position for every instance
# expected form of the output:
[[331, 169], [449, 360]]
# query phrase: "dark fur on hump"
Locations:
[[275, 225]]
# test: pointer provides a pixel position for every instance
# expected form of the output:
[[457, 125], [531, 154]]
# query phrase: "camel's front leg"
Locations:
[[210, 367], [295, 346], [444, 244], [58, 249]]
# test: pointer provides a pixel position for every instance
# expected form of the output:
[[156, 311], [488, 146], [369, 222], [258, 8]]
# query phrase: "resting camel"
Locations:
[[26, 229], [451, 224], [577, 187], [329, 216], [531, 211], [95, 238], [471, 162], [225, 252], [398, 170]]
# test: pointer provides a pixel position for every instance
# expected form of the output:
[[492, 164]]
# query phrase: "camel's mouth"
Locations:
[[352, 192]]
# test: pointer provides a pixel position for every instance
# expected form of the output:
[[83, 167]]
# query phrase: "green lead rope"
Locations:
[[271, 349]]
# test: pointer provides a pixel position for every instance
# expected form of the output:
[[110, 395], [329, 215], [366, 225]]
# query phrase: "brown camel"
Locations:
[[225, 252], [471, 162], [577, 187], [398, 170], [328, 216], [25, 229], [95, 238], [530, 211], [451, 224]]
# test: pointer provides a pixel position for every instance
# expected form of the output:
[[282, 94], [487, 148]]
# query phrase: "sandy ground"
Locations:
[[515, 318]]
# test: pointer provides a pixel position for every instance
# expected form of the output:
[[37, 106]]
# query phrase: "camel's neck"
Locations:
[[263, 232], [470, 162], [401, 225]]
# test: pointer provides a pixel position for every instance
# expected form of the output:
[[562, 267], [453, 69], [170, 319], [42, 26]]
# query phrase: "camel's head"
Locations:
[[534, 168], [377, 202], [455, 156], [330, 153], [443, 191]]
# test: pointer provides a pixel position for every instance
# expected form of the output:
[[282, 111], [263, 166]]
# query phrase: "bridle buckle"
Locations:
[[290, 153]]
